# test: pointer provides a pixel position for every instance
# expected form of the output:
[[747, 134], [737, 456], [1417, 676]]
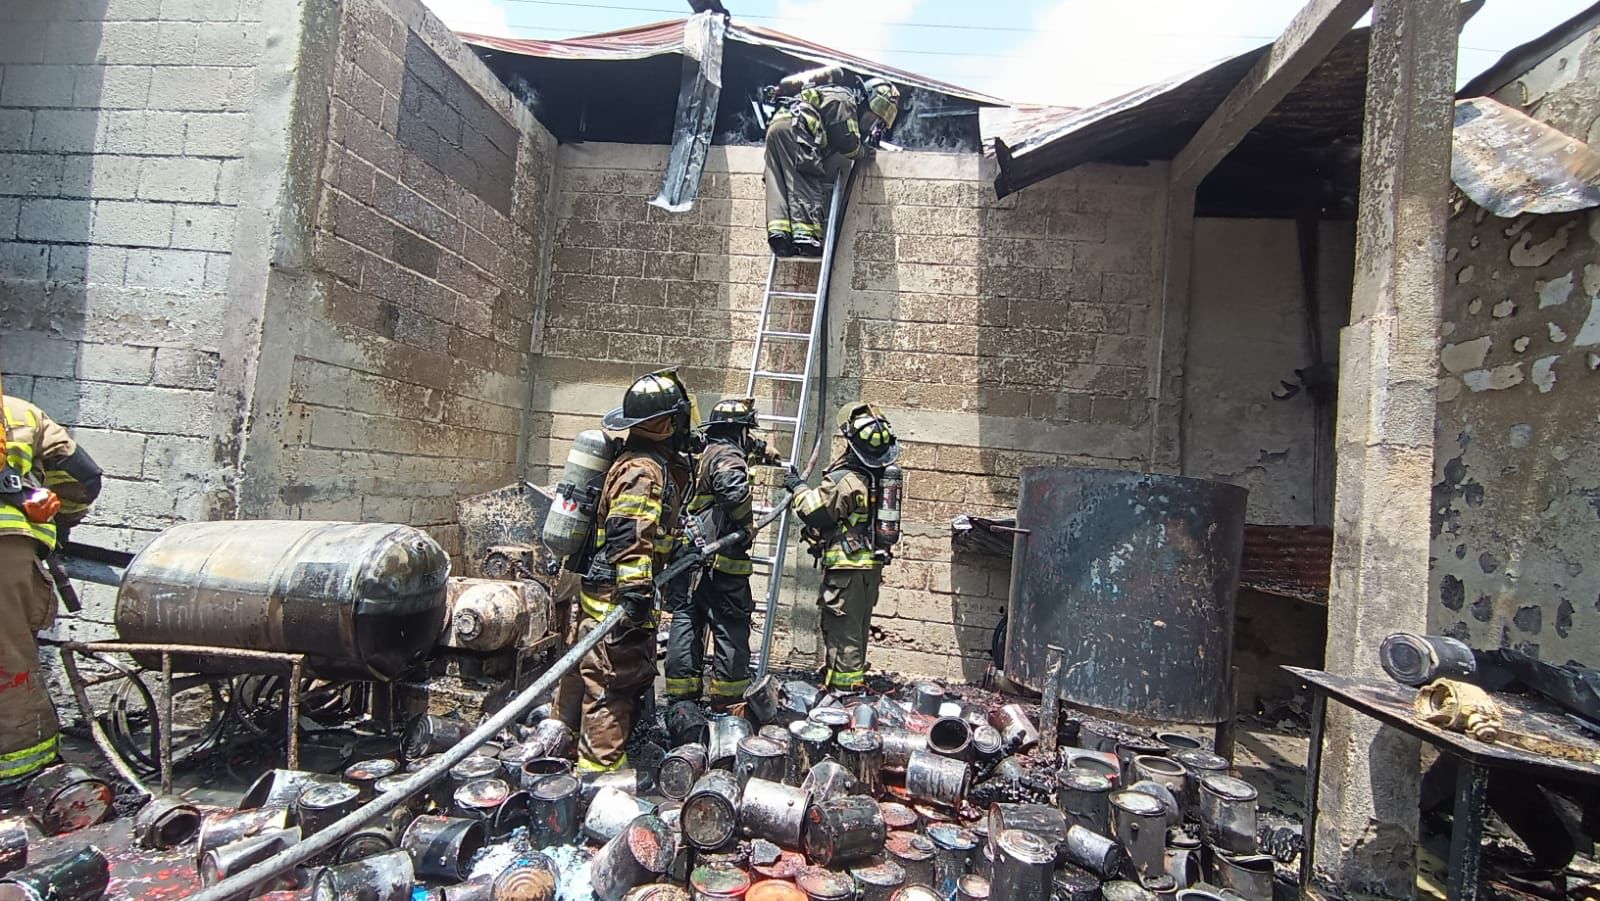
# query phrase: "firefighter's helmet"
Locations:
[[735, 412], [651, 397], [867, 430], [883, 98]]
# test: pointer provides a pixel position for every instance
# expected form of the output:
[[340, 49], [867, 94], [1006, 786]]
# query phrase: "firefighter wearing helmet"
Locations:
[[637, 518], [841, 520], [719, 506], [821, 113]]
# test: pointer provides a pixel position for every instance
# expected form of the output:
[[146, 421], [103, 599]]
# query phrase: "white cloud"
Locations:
[[480, 16], [855, 26]]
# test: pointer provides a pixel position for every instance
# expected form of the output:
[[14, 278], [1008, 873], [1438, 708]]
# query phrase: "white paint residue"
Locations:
[[1503, 309], [1466, 355], [1521, 344], [1496, 379], [1521, 435], [1449, 389], [1555, 292], [1591, 279], [493, 860], [1465, 275], [1557, 334], [1589, 335], [1544, 373]]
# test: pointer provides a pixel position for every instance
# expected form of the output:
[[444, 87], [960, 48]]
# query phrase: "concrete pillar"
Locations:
[[1367, 806]]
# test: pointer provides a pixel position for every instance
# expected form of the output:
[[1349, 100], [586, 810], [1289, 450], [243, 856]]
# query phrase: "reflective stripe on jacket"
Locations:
[[638, 516], [35, 448], [724, 482], [847, 498]]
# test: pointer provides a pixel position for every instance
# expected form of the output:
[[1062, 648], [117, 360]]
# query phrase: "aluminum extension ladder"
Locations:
[[781, 382]]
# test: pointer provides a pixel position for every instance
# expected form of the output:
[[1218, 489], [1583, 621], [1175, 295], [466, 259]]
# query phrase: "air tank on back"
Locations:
[[360, 600], [572, 512], [886, 524]]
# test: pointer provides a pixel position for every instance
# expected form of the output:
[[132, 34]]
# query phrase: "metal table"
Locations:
[[1391, 704]]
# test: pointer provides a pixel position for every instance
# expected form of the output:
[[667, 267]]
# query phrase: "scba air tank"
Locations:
[[572, 512], [891, 483]]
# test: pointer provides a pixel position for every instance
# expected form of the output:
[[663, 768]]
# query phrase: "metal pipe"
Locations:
[[291, 703], [69, 662], [165, 726], [140, 647]]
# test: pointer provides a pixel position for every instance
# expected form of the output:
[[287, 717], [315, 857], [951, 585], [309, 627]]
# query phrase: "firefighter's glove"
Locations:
[[792, 482]]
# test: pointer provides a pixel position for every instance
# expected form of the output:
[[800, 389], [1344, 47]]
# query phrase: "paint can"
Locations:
[[471, 769], [758, 757], [555, 739], [611, 811], [442, 848], [825, 885], [165, 821], [480, 799], [972, 887], [926, 698], [66, 797], [711, 812], [1139, 824], [1228, 814], [983, 861], [1125, 890], [1008, 769], [1183, 866], [955, 846], [514, 756], [1247, 875], [218, 864], [14, 844], [863, 715], [553, 810], [774, 890], [725, 734], [951, 736], [1169, 801], [1161, 886], [681, 769], [897, 817], [890, 714], [1176, 742], [843, 830], [876, 880], [986, 742], [224, 827], [1131, 746], [916, 892], [1092, 851], [1042, 820], [687, 723], [515, 813], [914, 852], [899, 745], [813, 743], [799, 697], [531, 877], [773, 811], [280, 788], [1166, 771], [438, 791], [539, 767], [639, 855], [320, 806], [1093, 761], [626, 780], [932, 779], [762, 700], [1074, 884], [861, 752], [1023, 863], [1096, 736], [377, 837], [719, 882], [658, 891], [384, 877], [829, 779], [1082, 797], [1197, 766], [364, 775], [1016, 730], [79, 876], [427, 734], [785, 867]]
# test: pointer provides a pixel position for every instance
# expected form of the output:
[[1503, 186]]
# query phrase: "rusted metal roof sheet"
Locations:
[[1289, 561], [1510, 163]]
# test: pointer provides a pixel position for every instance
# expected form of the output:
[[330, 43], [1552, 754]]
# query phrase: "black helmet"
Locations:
[[650, 397], [867, 430], [733, 412]]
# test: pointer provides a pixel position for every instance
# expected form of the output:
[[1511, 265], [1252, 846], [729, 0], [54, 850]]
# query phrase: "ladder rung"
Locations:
[[797, 336], [799, 259], [773, 417], [780, 376], [810, 295]]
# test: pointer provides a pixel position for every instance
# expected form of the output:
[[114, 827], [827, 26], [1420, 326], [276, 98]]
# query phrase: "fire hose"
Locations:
[[239, 885]]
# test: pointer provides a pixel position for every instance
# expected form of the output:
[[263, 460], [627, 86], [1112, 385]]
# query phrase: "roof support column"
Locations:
[[1367, 807]]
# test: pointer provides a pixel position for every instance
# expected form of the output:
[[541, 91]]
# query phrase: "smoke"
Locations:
[[915, 130], [523, 90], [744, 130]]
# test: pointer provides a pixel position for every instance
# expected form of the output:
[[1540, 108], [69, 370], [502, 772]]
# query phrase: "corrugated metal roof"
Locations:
[[1511, 164], [660, 38]]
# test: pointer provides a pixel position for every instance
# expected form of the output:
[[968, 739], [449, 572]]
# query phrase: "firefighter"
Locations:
[[637, 525], [722, 602], [817, 117], [837, 517], [46, 488]]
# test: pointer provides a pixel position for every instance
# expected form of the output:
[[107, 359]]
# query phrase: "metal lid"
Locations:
[[1178, 741], [1158, 764], [986, 739], [897, 815], [912, 846], [556, 787], [883, 873], [1079, 779], [952, 837], [972, 886], [825, 885], [657, 891], [1228, 787], [371, 770], [719, 880], [328, 794], [833, 717], [475, 767], [777, 733], [652, 843], [1138, 803], [774, 890], [810, 731], [1025, 846], [480, 794], [860, 741], [916, 893], [761, 746], [1201, 760]]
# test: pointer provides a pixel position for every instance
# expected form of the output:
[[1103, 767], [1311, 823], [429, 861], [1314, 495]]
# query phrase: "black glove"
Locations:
[[792, 482]]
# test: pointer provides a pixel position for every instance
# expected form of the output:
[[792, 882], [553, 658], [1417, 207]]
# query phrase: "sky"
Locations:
[[1068, 52]]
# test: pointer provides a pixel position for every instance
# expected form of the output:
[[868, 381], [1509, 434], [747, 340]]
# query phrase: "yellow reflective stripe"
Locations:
[[846, 678], [632, 569], [734, 689], [809, 500], [732, 566], [684, 687], [22, 454], [836, 558], [14, 520], [806, 230], [779, 226], [19, 763], [585, 765], [635, 506], [592, 606], [700, 502], [668, 544], [857, 519]]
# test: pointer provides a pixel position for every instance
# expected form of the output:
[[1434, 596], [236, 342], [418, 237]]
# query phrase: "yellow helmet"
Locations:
[[883, 98], [867, 430]]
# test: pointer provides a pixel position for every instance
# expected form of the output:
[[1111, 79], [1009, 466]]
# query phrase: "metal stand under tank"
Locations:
[[1134, 575]]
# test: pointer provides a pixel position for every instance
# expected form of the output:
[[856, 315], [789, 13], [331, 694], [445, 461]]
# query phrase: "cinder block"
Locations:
[[191, 88], [200, 10], [202, 227], [132, 10], [90, 264], [215, 134], [102, 176], [120, 363], [46, 85], [228, 181], [64, 131], [24, 261], [182, 178], [10, 207], [54, 220], [176, 43], [21, 41], [132, 224], [178, 269], [166, 455], [16, 129], [138, 131], [218, 267], [30, 175], [161, 412], [184, 367], [125, 43]]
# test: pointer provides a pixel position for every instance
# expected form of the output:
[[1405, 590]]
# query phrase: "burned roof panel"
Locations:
[[1511, 164]]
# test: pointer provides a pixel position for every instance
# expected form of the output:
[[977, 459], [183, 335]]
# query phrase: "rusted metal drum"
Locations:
[[1017, 731], [66, 798], [844, 830], [1134, 574], [774, 890], [14, 844], [165, 821], [383, 877], [711, 812], [75, 877], [878, 879], [360, 600], [773, 811], [638, 856], [443, 847]]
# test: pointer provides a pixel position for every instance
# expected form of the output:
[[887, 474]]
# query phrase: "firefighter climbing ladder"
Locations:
[[769, 379]]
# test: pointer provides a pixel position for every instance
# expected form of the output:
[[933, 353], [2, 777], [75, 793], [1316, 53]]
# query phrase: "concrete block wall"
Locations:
[[998, 334]]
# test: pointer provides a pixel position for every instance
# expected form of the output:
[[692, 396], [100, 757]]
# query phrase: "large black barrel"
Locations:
[[1134, 574]]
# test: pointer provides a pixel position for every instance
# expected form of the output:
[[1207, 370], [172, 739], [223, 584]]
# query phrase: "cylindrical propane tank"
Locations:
[[792, 85], [886, 528], [571, 516]]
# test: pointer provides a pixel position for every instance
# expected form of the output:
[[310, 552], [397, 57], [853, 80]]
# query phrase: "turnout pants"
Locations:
[[846, 601], [797, 185], [28, 725], [603, 690], [722, 603]]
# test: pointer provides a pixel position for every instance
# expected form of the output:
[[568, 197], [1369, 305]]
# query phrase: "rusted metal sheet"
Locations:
[[1289, 561], [1134, 576], [500, 532], [1510, 163]]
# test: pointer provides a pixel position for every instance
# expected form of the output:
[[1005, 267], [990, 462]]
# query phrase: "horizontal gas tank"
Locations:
[[360, 600]]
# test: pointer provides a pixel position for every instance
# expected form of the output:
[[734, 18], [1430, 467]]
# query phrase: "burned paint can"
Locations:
[[774, 890], [427, 734], [1023, 863], [986, 742], [540, 767], [77, 876], [364, 775], [844, 830], [687, 723], [932, 779], [165, 821], [1177, 741], [66, 797], [813, 742], [383, 877], [837, 719], [711, 812], [861, 752], [719, 882], [1166, 771], [1082, 797], [471, 769], [1183, 866], [514, 756], [1072, 883], [531, 877], [639, 855], [414, 804], [1228, 814], [899, 745], [611, 811], [916, 892], [1197, 766], [1125, 890], [320, 806], [726, 733], [1096, 736], [951, 736], [480, 799], [829, 779], [515, 813], [1247, 875], [1042, 820], [1131, 746], [627, 780], [658, 891], [800, 696], [280, 788], [440, 789], [1139, 824], [891, 714], [897, 817], [972, 887], [224, 827], [862, 715], [763, 699], [218, 864], [773, 811], [758, 757], [1098, 761], [876, 880], [785, 867], [377, 837], [915, 852], [553, 810], [1008, 769], [443, 847], [824, 885], [681, 769], [926, 697], [14, 844], [955, 848], [1169, 801], [1016, 730], [1092, 851], [1161, 886]]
